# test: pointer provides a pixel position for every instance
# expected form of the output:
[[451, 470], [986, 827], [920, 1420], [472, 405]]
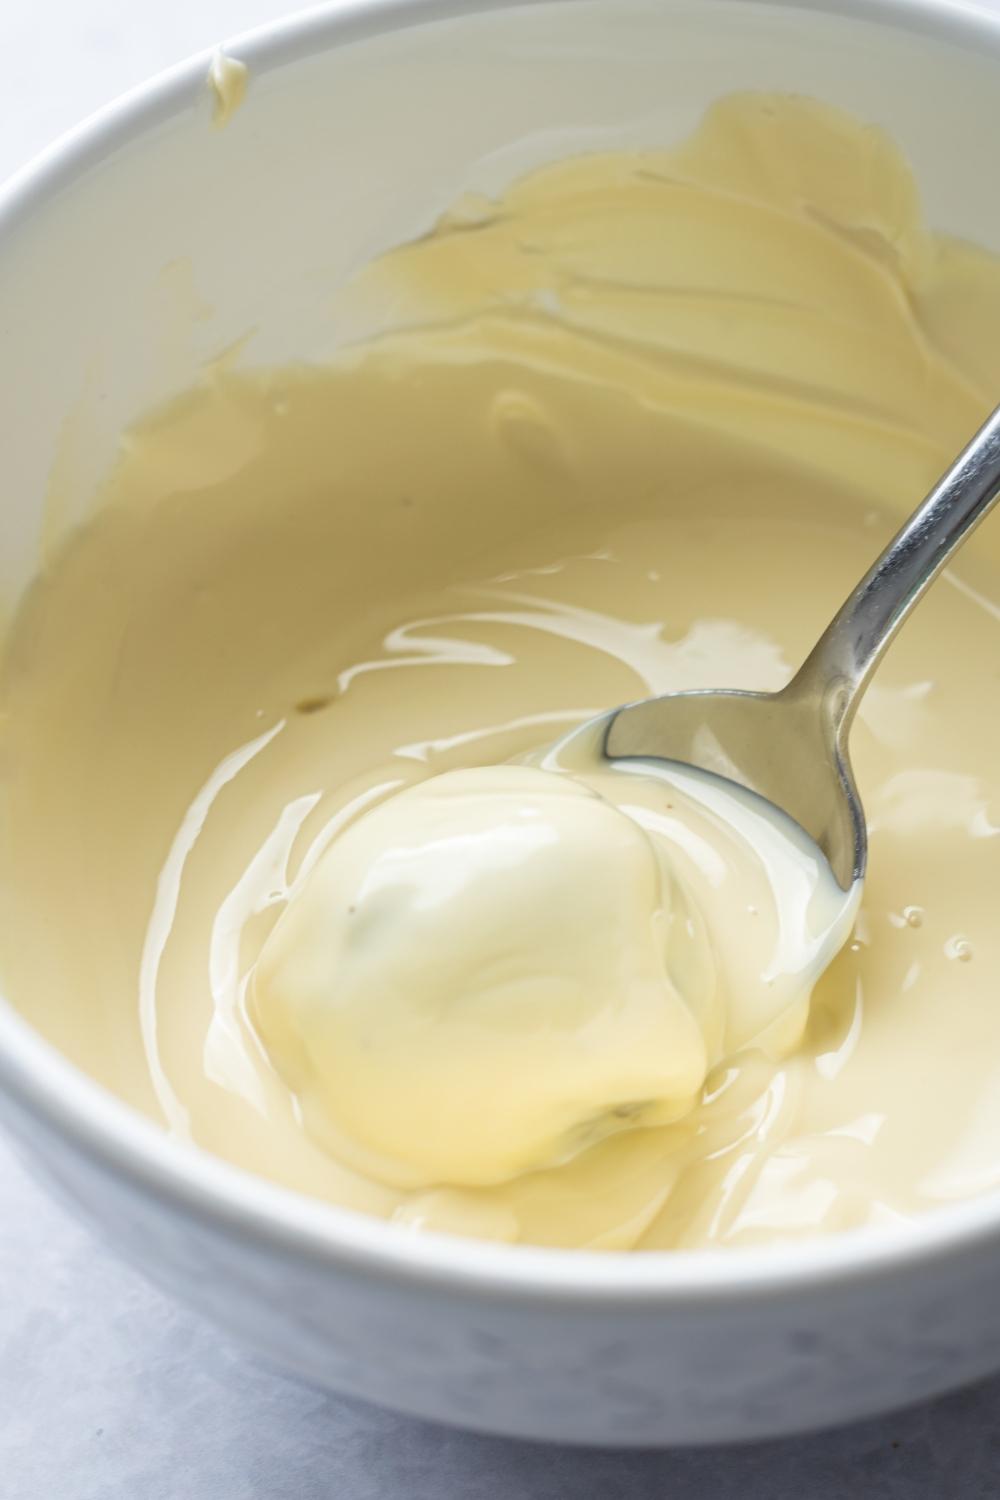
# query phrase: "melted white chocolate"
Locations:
[[636, 427], [227, 79]]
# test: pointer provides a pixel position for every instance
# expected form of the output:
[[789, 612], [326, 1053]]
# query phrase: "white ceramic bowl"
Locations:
[[362, 121]]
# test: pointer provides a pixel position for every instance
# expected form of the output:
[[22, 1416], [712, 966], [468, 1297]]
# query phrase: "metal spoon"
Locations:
[[791, 747]]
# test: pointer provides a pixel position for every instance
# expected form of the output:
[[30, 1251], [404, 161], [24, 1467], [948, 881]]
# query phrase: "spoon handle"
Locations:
[[837, 670]]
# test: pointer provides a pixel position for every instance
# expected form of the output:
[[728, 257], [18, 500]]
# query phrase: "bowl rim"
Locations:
[[46, 1088]]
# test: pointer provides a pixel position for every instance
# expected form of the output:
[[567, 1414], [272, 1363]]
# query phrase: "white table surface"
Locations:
[[110, 1392]]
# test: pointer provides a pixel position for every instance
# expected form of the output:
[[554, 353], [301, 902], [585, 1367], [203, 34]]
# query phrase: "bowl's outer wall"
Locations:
[[165, 242], [573, 1370]]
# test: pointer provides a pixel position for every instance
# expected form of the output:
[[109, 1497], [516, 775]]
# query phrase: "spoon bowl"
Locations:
[[783, 746]]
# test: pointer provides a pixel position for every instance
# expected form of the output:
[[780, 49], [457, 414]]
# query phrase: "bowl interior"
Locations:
[[153, 241]]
